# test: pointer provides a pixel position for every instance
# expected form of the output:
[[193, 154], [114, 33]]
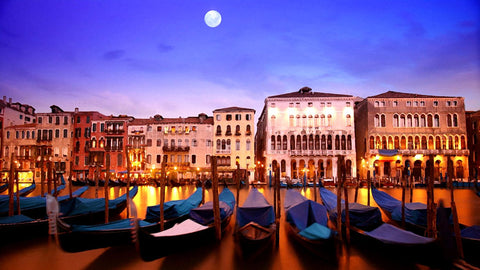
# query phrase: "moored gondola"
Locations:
[[196, 231]]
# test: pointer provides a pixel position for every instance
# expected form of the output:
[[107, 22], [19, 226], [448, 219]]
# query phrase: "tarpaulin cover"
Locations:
[[292, 198], [204, 213], [177, 208], [361, 216], [471, 232], [85, 205], [316, 232], [393, 235], [122, 224], [15, 219], [387, 152], [255, 209]]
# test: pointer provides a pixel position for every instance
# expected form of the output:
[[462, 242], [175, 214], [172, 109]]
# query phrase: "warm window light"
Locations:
[[418, 156]]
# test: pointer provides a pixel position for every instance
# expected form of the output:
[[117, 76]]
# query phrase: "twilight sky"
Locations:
[[149, 57]]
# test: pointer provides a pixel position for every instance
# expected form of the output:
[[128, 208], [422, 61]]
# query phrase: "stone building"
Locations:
[[12, 114], [473, 132], [234, 140], [184, 145], [305, 132], [402, 134], [20, 140]]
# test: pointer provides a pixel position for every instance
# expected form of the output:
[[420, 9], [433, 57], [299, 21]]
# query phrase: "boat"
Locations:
[[416, 221], [78, 182], [368, 230], [307, 224], [415, 212], [3, 187], [196, 231], [59, 188], [77, 238], [255, 224], [90, 211], [34, 207], [22, 226], [174, 211]]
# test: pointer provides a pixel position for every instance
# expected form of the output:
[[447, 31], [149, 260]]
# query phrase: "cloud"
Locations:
[[163, 48], [113, 55]]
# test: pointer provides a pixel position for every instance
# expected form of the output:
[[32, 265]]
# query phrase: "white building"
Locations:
[[305, 132]]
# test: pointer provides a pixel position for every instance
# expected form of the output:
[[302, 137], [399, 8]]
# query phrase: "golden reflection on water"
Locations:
[[225, 254]]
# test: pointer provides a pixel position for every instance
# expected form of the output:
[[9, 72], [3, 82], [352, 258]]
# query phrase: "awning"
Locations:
[[387, 152]]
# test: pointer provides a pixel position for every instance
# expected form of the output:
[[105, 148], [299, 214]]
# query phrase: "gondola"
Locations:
[[77, 238], [86, 211], [22, 226], [368, 230], [34, 207], [416, 221], [196, 231], [3, 187], [307, 223], [78, 182], [255, 224]]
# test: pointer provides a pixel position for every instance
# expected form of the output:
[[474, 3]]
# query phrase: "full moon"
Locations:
[[213, 18]]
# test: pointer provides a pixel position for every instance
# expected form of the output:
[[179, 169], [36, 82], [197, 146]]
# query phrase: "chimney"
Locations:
[[76, 110]]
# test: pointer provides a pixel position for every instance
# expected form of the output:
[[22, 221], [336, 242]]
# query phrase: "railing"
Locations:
[[115, 131], [426, 152], [176, 148], [224, 151]]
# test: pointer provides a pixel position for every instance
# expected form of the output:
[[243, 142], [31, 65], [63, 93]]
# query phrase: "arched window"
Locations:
[[424, 142], [438, 144], [449, 120], [382, 121], [372, 142], [463, 143], [299, 143], [229, 131], [349, 142], [237, 130], [237, 145], [416, 120], [436, 121], [284, 142], [402, 120], [219, 130], [455, 120], [329, 120], [317, 142], [409, 120], [279, 142], [249, 144], [272, 142], [396, 143], [384, 142], [324, 142], [322, 120], [430, 143], [219, 144], [304, 142], [423, 122], [343, 143], [292, 142], [310, 142], [337, 142], [224, 146], [403, 143], [329, 142], [395, 120], [430, 120], [249, 131], [377, 120]]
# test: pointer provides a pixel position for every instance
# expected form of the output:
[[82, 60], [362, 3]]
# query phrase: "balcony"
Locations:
[[113, 148], [223, 151], [427, 152], [176, 148], [115, 131], [179, 165]]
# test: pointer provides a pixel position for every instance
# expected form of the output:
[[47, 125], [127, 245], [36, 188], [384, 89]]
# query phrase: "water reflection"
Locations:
[[44, 252]]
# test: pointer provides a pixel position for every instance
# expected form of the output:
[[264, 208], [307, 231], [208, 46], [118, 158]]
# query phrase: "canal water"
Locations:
[[44, 252]]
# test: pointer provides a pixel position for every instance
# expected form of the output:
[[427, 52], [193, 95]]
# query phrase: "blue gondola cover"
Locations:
[[177, 208], [255, 209], [204, 213]]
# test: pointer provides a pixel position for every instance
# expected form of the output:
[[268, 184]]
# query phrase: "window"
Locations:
[[329, 104], [310, 104], [194, 143], [219, 130], [94, 127], [272, 105], [39, 120], [159, 128], [449, 103], [409, 103], [102, 127], [159, 159], [159, 143], [119, 160], [238, 117], [422, 103], [33, 134], [65, 120], [290, 104], [248, 117], [248, 145], [208, 159], [78, 119], [229, 117], [237, 145], [88, 119], [435, 104], [348, 104], [149, 142], [395, 104], [194, 159], [57, 133], [219, 117], [57, 120]]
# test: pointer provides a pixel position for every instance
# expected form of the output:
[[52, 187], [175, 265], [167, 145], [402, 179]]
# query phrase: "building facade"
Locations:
[[20, 140], [12, 114], [305, 132], [473, 132], [403, 134], [234, 140], [182, 145]]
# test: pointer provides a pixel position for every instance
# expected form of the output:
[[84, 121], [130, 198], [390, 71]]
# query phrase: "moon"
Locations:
[[213, 18]]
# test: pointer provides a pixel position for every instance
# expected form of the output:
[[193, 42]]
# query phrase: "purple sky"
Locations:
[[143, 58]]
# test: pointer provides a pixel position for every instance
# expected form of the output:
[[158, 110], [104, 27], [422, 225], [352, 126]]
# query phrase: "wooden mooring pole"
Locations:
[[456, 225], [162, 197], [107, 179], [216, 203], [11, 184]]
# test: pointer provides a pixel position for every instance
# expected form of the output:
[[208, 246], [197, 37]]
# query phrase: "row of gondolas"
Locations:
[[188, 224]]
